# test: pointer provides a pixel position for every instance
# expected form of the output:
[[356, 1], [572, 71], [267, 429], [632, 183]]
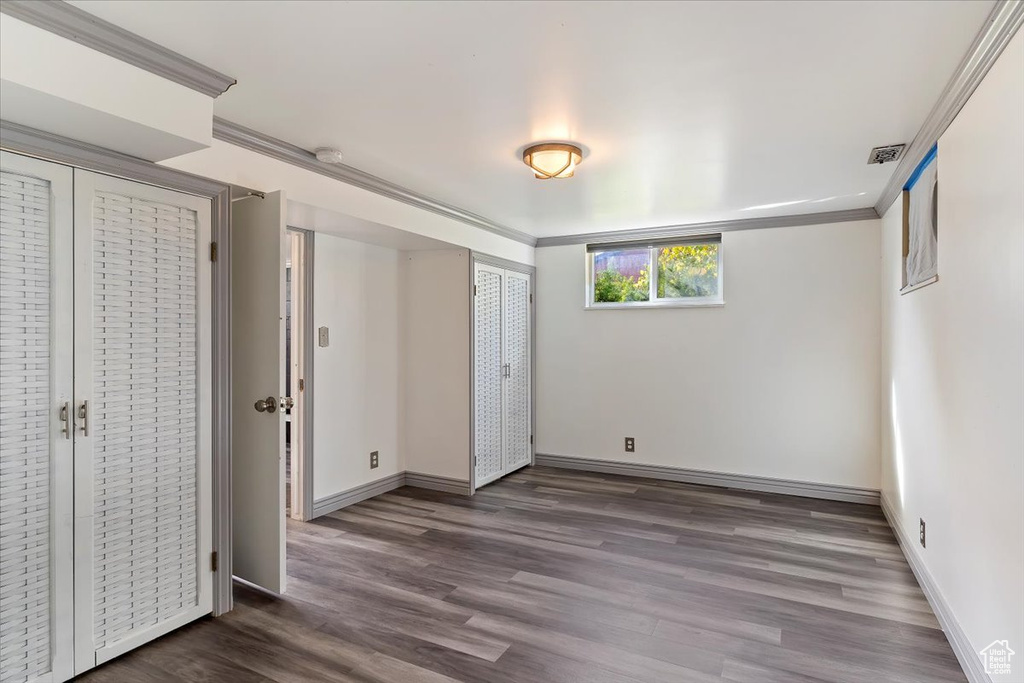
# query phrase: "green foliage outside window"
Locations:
[[612, 286], [688, 271]]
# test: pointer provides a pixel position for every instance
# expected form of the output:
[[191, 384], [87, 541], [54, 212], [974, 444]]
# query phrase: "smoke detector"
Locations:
[[880, 155], [328, 155]]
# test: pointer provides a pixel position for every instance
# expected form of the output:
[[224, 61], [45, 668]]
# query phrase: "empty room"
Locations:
[[512, 342]]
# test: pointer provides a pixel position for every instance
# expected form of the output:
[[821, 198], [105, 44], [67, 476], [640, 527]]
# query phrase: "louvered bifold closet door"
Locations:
[[518, 451], [142, 381], [488, 374], [36, 515]]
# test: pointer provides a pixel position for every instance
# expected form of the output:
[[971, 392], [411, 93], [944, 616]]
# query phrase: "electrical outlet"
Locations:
[[374, 460], [922, 535], [630, 444]]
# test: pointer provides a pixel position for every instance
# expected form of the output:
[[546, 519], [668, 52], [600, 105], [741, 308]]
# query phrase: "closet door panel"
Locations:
[[36, 517], [517, 382], [143, 401], [487, 372]]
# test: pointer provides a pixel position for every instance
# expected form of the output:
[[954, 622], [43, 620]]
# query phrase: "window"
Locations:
[[920, 224], [673, 272]]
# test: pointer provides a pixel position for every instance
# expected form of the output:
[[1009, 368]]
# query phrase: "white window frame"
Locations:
[[652, 249]]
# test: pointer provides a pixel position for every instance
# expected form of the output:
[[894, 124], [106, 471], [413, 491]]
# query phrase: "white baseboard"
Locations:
[[357, 494], [391, 482], [436, 483], [969, 660], [850, 494]]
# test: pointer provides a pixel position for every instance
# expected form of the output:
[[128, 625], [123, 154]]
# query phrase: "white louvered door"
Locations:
[[36, 515], [518, 451], [142, 382], [502, 372], [487, 373]]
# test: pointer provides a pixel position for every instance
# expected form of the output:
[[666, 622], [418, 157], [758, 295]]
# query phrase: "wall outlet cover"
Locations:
[[630, 444], [374, 460], [323, 336], [923, 538]]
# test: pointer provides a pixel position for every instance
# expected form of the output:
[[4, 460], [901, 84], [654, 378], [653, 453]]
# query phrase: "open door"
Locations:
[[257, 385]]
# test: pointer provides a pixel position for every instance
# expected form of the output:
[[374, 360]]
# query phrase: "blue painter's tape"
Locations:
[[928, 158]]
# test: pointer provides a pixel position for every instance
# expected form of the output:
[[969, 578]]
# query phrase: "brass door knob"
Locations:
[[266, 405]]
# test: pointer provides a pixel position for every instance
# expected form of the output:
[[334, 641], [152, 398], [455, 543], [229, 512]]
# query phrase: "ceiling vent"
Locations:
[[880, 155]]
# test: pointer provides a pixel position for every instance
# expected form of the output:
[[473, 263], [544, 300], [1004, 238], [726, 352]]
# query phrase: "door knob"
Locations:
[[266, 405]]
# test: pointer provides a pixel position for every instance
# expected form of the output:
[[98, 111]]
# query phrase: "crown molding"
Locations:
[[57, 16], [669, 231], [260, 143], [997, 31]]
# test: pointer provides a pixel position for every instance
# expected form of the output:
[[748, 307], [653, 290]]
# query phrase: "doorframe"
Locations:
[[305, 481], [487, 259], [59, 149]]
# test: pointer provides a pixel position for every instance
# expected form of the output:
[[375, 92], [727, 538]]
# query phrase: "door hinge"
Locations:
[[213, 251], [531, 298], [302, 384], [531, 438], [474, 290], [213, 561], [474, 461]]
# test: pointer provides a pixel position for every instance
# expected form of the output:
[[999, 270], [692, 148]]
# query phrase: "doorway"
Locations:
[[298, 374]]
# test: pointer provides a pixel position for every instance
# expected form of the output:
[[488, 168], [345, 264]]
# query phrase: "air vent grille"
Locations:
[[880, 155]]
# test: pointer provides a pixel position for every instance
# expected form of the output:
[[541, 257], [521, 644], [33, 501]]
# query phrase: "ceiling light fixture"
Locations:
[[553, 159]]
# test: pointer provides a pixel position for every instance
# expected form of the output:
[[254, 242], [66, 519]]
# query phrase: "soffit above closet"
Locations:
[[322, 220], [687, 112]]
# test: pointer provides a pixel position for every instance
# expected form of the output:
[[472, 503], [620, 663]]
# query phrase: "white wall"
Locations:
[[437, 351], [356, 400], [783, 381], [953, 369]]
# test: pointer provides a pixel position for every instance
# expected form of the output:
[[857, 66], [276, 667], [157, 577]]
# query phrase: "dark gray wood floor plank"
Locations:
[[552, 576]]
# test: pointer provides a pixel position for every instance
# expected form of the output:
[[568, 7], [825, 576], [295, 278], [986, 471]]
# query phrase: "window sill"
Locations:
[[924, 283], [655, 305]]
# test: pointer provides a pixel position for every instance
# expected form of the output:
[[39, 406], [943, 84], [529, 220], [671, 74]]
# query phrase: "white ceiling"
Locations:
[[687, 112]]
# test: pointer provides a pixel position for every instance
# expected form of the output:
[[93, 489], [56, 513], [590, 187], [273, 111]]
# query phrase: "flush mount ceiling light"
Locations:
[[553, 159]]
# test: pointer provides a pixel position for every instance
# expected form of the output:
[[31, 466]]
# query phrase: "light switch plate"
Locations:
[[323, 336]]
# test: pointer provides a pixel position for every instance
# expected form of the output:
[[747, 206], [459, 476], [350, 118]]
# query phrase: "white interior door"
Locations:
[[517, 417], [143, 512], [487, 374], [258, 352], [36, 476]]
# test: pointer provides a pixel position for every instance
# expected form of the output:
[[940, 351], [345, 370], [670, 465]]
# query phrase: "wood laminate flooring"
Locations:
[[556, 575]]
